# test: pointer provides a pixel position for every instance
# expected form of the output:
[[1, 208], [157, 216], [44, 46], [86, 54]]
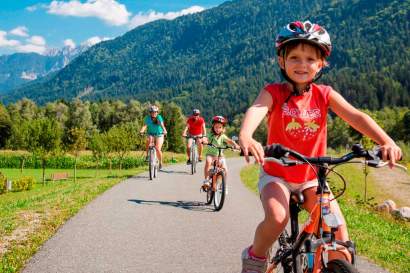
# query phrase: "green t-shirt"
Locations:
[[154, 129], [218, 141]]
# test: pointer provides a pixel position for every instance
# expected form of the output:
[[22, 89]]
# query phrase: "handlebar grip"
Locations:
[[275, 150]]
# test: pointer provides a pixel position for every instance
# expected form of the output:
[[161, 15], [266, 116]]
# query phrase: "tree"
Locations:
[[44, 139], [174, 122], [98, 145], [19, 140], [121, 139], [5, 126], [77, 143]]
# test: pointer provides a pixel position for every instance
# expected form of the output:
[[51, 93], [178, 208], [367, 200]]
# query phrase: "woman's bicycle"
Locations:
[[153, 163], [307, 251], [193, 155]]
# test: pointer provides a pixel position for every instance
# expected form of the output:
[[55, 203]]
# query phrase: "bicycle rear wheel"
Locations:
[[219, 197]]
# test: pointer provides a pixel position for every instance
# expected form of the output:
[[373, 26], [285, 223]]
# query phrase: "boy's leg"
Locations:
[[208, 163], [275, 202]]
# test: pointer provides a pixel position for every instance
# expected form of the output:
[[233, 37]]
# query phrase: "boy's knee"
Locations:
[[280, 218]]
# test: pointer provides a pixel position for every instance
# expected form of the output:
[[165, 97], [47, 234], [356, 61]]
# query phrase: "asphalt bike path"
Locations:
[[158, 226]]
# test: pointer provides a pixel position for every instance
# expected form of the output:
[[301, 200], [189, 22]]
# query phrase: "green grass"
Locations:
[[379, 237], [38, 213]]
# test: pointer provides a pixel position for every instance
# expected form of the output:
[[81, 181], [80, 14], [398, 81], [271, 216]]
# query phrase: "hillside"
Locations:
[[220, 58]]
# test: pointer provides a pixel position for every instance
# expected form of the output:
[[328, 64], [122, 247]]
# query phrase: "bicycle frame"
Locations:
[[322, 223], [315, 226]]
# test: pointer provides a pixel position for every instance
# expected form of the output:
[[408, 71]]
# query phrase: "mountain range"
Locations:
[[20, 68], [218, 60]]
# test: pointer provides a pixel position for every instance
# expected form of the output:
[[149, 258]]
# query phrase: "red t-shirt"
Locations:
[[195, 125], [300, 124]]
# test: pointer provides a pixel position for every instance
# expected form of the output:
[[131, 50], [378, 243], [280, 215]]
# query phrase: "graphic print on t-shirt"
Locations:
[[301, 124]]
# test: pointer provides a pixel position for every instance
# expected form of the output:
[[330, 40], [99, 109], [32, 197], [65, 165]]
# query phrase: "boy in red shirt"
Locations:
[[195, 126], [297, 112]]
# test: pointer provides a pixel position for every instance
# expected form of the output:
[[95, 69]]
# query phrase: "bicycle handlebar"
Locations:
[[222, 147], [280, 155]]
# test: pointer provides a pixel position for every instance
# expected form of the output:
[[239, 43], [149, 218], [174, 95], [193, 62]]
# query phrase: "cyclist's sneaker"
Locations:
[[188, 162], [160, 166], [252, 264], [206, 185]]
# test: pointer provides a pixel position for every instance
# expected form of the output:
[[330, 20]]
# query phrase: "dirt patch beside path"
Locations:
[[394, 183]]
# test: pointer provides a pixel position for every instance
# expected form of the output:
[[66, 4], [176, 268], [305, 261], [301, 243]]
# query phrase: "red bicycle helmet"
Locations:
[[304, 31], [219, 119]]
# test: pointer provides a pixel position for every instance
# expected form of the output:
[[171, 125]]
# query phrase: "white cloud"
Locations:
[[69, 43], [94, 40], [110, 11], [4, 42], [37, 40], [143, 18], [21, 31], [35, 44]]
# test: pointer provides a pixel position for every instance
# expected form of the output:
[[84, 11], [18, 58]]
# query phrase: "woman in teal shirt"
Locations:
[[156, 131]]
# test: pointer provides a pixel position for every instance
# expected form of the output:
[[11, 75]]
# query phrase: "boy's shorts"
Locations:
[[222, 160], [265, 179]]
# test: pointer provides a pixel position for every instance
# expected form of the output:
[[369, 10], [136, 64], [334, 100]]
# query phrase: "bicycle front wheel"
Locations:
[[151, 164], [193, 158], [339, 266], [220, 186]]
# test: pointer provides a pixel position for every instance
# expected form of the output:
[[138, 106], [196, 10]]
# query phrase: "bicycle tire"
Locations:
[[219, 195], [193, 159], [151, 164], [339, 266]]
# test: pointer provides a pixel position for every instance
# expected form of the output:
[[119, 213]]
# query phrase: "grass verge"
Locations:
[[379, 237]]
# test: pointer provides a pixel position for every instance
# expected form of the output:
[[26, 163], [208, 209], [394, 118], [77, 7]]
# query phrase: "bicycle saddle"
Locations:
[[297, 198]]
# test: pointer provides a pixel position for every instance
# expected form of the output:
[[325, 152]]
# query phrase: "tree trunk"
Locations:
[[43, 164], [75, 169], [22, 164], [96, 168]]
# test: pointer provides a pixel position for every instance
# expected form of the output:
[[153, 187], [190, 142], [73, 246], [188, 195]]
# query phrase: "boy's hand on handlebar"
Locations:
[[251, 146], [391, 153]]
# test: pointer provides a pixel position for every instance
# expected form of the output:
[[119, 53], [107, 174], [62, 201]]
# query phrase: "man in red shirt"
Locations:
[[195, 126]]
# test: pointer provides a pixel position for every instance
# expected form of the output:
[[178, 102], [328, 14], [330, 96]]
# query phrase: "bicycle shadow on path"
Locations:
[[188, 205]]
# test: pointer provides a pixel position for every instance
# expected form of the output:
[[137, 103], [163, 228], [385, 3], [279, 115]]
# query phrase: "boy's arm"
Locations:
[[365, 125], [143, 128], [253, 117]]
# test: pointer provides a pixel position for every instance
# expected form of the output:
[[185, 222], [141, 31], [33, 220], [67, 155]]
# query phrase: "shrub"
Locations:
[[24, 183], [3, 183]]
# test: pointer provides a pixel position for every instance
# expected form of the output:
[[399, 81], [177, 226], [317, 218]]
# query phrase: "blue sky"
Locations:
[[37, 26]]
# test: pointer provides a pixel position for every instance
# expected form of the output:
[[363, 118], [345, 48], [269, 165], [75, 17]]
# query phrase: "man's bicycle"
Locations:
[[193, 155], [307, 251]]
